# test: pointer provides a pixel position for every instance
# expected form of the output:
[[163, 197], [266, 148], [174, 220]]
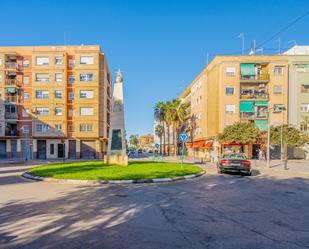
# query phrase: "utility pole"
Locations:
[[242, 36]]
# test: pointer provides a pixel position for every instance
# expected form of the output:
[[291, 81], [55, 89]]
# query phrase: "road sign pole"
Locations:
[[182, 154]]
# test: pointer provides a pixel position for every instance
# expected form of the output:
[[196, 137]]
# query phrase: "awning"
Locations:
[[261, 124], [207, 144], [198, 144], [11, 90], [247, 69], [261, 103], [246, 106]]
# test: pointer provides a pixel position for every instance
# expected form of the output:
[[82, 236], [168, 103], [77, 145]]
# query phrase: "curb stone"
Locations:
[[30, 176]]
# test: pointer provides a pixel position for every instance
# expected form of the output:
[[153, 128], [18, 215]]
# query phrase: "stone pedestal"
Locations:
[[116, 152]]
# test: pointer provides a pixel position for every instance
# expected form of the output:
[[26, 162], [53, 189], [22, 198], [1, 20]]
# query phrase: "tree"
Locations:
[[134, 140], [241, 133], [159, 114], [159, 132], [175, 115], [168, 118], [290, 136]]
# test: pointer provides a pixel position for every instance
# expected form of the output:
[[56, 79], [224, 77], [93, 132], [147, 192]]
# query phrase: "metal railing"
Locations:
[[10, 98], [253, 115], [258, 77], [10, 115], [11, 133], [254, 96], [11, 82]]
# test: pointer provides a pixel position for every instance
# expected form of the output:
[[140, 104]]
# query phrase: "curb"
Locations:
[[30, 176]]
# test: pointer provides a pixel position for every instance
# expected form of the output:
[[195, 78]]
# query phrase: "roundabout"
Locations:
[[97, 172]]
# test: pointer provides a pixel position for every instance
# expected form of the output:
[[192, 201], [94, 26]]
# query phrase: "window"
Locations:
[[40, 61], [58, 127], [305, 88], [86, 77], [302, 68], [58, 77], [52, 149], [304, 127], [26, 63], [278, 70], [230, 71], [42, 128], [71, 79], [229, 109], [58, 60], [71, 112], [71, 63], [42, 111], [86, 60], [277, 89], [58, 94], [26, 96], [42, 77], [58, 111], [71, 128], [86, 111], [84, 94], [278, 108], [41, 94], [26, 80], [25, 113], [304, 107], [229, 90], [86, 127], [71, 95]]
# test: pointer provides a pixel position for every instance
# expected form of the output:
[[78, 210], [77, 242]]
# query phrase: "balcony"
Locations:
[[253, 94], [10, 115], [11, 133], [12, 66], [255, 78], [11, 129], [253, 115], [11, 98], [11, 82]]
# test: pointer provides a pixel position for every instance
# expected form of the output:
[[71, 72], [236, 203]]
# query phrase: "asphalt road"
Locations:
[[225, 211]]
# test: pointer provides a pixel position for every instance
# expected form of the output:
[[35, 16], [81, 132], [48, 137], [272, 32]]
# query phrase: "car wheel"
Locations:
[[219, 171], [249, 173]]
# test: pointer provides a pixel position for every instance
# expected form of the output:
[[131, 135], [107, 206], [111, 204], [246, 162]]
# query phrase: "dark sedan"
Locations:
[[234, 162]]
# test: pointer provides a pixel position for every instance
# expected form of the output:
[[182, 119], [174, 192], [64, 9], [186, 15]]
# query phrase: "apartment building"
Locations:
[[299, 87], [55, 102], [236, 88], [146, 141]]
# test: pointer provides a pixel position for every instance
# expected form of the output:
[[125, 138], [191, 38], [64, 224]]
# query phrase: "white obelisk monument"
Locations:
[[116, 151]]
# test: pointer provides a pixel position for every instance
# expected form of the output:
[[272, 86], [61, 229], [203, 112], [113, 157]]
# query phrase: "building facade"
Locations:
[[55, 102], [146, 141], [237, 89]]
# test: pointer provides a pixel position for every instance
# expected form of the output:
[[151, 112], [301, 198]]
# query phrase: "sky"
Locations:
[[159, 45]]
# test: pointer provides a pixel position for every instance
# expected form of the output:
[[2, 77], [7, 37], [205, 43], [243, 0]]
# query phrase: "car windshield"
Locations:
[[234, 156]]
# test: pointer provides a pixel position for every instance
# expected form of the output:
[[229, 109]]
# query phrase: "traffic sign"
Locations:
[[157, 146], [183, 137]]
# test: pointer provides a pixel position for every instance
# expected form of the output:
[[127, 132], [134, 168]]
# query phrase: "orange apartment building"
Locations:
[[55, 102], [232, 89]]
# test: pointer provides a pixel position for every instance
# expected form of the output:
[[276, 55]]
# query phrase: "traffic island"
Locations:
[[97, 172]]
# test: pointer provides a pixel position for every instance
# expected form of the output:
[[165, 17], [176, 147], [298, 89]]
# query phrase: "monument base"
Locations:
[[116, 159]]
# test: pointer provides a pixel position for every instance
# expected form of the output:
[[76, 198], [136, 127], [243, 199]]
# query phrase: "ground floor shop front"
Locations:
[[28, 149]]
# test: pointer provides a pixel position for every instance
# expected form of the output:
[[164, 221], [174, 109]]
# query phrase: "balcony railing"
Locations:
[[11, 82], [12, 65], [253, 115], [253, 78], [11, 98], [9, 115], [254, 95], [11, 133]]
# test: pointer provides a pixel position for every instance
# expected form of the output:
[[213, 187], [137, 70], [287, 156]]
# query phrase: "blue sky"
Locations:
[[160, 45]]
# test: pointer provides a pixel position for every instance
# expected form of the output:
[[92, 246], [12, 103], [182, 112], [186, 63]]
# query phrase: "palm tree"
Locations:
[[159, 132], [159, 114], [178, 110], [169, 117]]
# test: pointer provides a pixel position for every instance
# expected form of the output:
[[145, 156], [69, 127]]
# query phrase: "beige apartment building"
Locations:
[[55, 102], [232, 89]]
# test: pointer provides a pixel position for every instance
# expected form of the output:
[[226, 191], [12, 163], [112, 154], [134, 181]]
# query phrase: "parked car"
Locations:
[[150, 151], [140, 151], [234, 162]]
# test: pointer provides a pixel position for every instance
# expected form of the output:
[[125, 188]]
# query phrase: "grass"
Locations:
[[97, 170]]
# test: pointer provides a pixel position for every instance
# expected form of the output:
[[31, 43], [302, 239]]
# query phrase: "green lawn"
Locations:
[[96, 170]]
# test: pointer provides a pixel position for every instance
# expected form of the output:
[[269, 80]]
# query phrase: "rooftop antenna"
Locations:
[[293, 41], [260, 50], [279, 44], [242, 36], [253, 48], [207, 58]]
